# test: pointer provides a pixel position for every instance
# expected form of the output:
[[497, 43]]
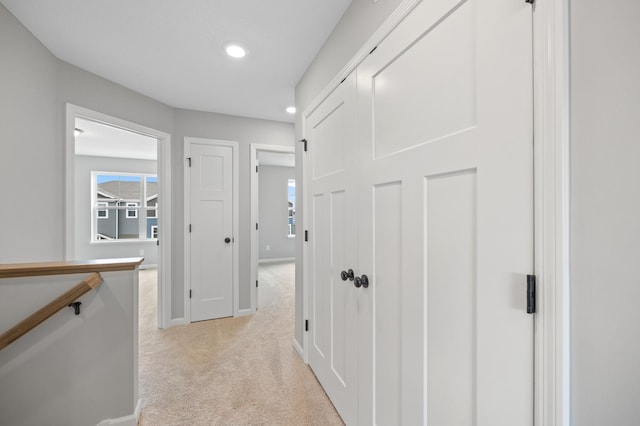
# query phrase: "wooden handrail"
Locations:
[[17, 270], [42, 314]]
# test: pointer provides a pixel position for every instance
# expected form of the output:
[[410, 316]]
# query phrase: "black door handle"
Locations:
[[227, 240], [362, 281], [347, 275]]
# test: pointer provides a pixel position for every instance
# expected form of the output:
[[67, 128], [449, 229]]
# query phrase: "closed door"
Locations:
[[444, 219], [333, 350], [211, 231]]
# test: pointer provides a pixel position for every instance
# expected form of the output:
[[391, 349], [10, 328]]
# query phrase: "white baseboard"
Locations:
[[243, 312], [176, 321], [131, 420], [298, 348], [282, 259]]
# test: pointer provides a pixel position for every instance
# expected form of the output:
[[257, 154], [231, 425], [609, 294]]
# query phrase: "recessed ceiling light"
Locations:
[[291, 110], [235, 50]]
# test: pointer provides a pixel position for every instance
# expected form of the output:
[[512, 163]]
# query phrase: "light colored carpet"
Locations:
[[232, 371]]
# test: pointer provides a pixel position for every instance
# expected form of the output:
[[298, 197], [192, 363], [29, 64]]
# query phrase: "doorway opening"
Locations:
[[273, 211], [117, 200]]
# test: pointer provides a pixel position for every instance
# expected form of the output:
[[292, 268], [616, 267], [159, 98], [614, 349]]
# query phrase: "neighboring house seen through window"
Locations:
[[291, 195], [124, 206]]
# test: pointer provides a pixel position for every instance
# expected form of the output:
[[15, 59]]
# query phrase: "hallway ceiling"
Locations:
[[172, 51]]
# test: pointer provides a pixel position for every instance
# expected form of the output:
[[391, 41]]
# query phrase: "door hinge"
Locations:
[[157, 242], [373, 50], [306, 235], [256, 226], [256, 169], [256, 283], [189, 227], [531, 294], [306, 325], [189, 293], [189, 160], [304, 141], [343, 80]]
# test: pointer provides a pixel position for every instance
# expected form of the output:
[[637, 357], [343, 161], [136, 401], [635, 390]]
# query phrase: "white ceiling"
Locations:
[[108, 141], [172, 50]]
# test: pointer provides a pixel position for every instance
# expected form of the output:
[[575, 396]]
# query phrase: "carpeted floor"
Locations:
[[232, 371]]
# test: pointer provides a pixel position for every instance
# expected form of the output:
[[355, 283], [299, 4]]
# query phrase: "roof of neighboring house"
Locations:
[[126, 190]]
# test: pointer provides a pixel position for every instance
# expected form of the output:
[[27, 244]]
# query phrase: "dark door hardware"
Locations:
[[76, 307], [227, 240], [531, 294], [347, 275], [362, 281]]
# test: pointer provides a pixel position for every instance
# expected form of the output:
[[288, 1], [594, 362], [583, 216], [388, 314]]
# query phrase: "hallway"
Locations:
[[231, 371]]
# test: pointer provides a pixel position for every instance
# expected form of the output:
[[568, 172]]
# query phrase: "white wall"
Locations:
[[357, 25], [85, 249], [605, 212], [273, 213]]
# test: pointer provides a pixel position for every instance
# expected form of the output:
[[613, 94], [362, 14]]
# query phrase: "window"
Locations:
[[103, 213], [291, 195], [132, 210], [124, 206]]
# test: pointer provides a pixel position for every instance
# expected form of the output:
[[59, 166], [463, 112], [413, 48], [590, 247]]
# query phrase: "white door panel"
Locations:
[[333, 248], [448, 100], [211, 223]]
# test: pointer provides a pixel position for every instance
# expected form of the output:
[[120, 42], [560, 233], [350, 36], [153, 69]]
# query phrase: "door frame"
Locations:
[[551, 201], [187, 214], [253, 277], [164, 208]]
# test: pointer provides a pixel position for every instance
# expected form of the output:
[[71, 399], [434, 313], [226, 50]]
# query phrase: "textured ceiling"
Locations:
[[173, 51]]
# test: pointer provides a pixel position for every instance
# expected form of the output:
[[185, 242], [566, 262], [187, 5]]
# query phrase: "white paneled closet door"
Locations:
[[440, 220], [445, 217], [332, 205]]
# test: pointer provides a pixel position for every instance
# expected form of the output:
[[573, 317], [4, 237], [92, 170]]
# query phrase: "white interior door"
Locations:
[[211, 231], [445, 216], [443, 224], [331, 129]]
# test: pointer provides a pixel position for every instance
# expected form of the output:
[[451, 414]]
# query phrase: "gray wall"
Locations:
[[273, 213], [225, 127], [359, 22], [84, 165], [31, 177], [605, 212]]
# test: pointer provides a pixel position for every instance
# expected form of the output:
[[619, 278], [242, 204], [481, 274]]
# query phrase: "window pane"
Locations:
[[291, 191], [121, 202]]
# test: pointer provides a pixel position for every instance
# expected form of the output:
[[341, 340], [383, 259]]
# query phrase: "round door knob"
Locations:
[[364, 281], [345, 275], [227, 240]]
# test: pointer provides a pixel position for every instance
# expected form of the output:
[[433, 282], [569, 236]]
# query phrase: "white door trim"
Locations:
[[187, 214], [255, 148], [551, 192], [164, 208]]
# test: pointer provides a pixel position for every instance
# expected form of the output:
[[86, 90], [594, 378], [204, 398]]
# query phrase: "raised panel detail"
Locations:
[[451, 230], [321, 289], [387, 202], [339, 288], [329, 141], [211, 173], [428, 91]]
